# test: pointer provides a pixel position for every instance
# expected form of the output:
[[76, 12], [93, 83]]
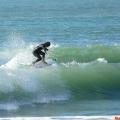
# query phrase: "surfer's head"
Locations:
[[46, 44]]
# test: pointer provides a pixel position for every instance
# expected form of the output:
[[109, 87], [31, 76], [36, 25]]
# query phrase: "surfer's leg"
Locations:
[[43, 57], [39, 59], [37, 55]]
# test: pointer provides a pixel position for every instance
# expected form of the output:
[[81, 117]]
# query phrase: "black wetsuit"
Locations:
[[37, 52]]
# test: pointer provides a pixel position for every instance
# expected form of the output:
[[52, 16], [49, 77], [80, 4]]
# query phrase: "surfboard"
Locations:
[[40, 64]]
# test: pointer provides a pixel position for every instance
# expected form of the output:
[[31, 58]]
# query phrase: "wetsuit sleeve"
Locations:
[[45, 49]]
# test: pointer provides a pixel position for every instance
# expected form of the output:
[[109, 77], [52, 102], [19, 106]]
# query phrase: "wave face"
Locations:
[[87, 54], [79, 73]]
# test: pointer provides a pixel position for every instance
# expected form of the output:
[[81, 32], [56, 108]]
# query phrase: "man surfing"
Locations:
[[40, 51]]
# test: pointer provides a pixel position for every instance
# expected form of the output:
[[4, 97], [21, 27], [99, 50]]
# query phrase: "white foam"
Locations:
[[18, 59], [74, 63], [102, 60], [45, 83], [50, 98], [63, 118], [9, 106]]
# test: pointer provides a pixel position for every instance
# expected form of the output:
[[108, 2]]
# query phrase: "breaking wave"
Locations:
[[91, 72]]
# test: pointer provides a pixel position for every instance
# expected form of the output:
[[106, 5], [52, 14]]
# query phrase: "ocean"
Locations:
[[84, 78]]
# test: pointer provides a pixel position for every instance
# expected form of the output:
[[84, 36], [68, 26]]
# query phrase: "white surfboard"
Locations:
[[40, 64]]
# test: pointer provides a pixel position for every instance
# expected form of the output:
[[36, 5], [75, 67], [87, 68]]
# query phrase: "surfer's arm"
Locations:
[[45, 49]]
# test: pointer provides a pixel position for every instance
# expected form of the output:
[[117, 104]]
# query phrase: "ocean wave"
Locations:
[[86, 53], [98, 80], [68, 53], [78, 73]]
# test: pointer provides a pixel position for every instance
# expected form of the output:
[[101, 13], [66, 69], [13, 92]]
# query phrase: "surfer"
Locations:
[[40, 51]]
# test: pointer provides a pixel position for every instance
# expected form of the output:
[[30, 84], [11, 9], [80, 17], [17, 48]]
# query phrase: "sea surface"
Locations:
[[84, 77]]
